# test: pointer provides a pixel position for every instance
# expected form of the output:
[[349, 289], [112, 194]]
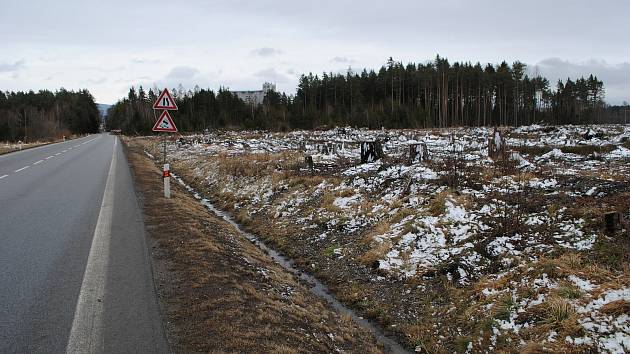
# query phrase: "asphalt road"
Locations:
[[74, 267]]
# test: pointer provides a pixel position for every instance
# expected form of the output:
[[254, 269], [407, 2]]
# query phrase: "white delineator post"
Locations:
[[167, 181]]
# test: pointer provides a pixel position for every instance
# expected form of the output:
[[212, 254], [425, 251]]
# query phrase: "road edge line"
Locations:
[[86, 334]]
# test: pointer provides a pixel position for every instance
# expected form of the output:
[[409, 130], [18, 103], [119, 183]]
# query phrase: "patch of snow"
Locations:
[[555, 153], [544, 184], [584, 285], [346, 202]]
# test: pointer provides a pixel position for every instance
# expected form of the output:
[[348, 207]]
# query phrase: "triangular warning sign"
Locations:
[[165, 123], [165, 101]]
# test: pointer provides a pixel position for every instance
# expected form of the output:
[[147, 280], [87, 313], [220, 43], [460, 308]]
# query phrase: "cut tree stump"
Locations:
[[497, 146], [612, 222], [327, 148], [308, 159], [371, 151], [417, 153]]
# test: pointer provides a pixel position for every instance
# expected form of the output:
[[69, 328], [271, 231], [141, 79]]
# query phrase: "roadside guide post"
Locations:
[[166, 174], [165, 124]]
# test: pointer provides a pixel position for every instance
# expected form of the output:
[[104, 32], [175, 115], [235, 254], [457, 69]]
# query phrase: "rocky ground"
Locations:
[[453, 250]]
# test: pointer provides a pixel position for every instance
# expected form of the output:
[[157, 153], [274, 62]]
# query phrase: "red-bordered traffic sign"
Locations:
[[165, 101], [165, 123]]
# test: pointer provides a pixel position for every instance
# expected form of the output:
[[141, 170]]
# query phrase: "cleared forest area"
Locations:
[[456, 239]]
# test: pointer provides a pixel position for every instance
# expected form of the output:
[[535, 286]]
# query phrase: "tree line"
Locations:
[[433, 94], [29, 116], [198, 110], [441, 94]]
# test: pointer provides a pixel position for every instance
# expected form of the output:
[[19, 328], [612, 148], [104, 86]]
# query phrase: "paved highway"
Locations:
[[75, 275]]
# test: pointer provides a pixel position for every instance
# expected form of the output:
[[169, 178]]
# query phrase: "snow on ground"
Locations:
[[459, 214]]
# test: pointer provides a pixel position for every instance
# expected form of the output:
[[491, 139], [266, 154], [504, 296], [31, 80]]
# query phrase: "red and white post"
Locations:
[[167, 181]]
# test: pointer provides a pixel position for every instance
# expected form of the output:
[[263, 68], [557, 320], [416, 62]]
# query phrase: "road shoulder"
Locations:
[[218, 292]]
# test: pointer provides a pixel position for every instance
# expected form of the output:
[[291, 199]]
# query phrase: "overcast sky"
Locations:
[[108, 46]]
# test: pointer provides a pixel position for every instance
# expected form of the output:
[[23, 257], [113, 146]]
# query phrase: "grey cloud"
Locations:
[[272, 75], [187, 76], [182, 73], [341, 60], [616, 77], [11, 67], [266, 52]]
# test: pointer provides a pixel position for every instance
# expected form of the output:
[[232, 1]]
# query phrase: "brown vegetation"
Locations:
[[219, 293]]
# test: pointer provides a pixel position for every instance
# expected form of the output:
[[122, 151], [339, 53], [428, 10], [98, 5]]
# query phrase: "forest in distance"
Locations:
[[31, 116], [434, 94], [425, 95]]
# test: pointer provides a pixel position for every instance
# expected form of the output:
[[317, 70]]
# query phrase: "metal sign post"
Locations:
[[164, 146], [165, 124]]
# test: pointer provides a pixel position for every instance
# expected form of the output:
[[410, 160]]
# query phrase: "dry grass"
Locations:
[[577, 149], [532, 348], [220, 293], [377, 252], [558, 311], [257, 165], [561, 315], [437, 205], [6, 148], [568, 291], [421, 335], [587, 149], [472, 312], [327, 203], [301, 181], [617, 308], [402, 214]]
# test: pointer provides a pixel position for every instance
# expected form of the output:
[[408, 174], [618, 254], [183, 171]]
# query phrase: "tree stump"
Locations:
[[371, 151], [332, 148], [612, 222], [326, 148], [417, 153], [308, 159], [497, 146]]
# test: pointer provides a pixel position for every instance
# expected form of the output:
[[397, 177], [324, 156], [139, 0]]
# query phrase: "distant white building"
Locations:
[[255, 97]]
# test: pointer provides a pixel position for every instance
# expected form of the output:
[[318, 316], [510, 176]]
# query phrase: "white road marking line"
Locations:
[[21, 169], [1, 177], [86, 335], [57, 154], [38, 162], [49, 157], [65, 151], [76, 146]]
